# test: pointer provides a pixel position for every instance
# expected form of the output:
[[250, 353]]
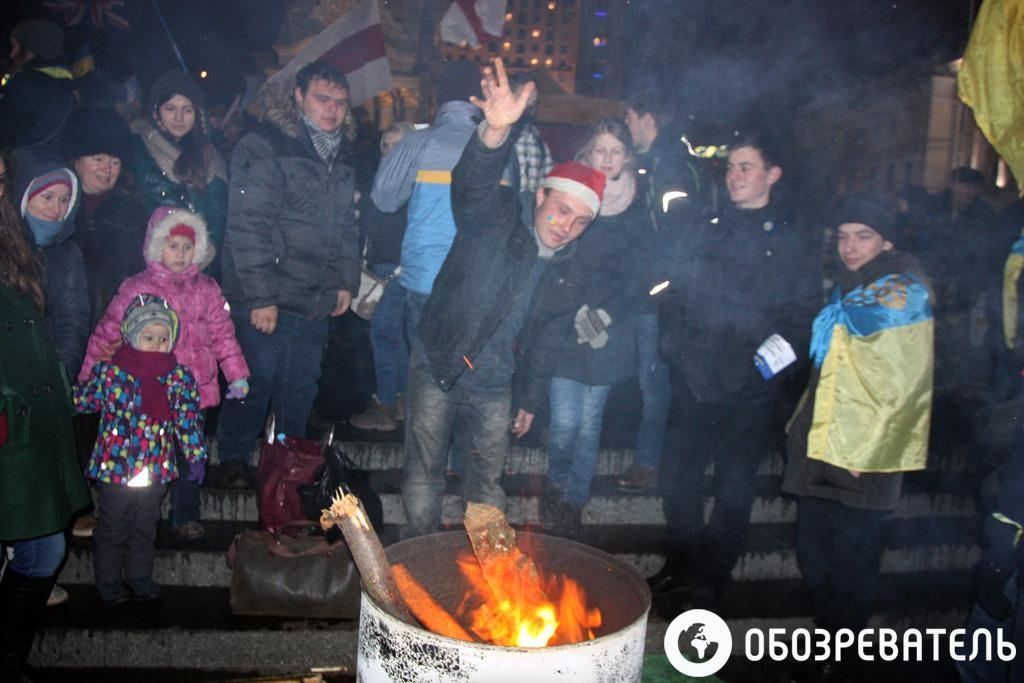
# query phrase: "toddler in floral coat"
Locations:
[[149, 407]]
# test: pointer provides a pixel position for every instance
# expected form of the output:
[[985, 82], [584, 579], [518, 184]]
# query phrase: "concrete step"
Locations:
[[193, 628], [937, 544], [927, 495]]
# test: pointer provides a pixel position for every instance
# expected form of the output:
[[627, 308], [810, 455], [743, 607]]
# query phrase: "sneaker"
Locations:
[[84, 526], [637, 479], [235, 475], [377, 417], [58, 596], [189, 531]]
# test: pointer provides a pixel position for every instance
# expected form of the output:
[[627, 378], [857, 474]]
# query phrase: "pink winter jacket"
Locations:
[[207, 335]]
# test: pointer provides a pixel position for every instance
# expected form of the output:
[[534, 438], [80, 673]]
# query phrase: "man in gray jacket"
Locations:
[[291, 257]]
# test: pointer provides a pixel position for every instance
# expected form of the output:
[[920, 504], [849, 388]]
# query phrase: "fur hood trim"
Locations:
[[277, 107], [165, 152], [160, 224]]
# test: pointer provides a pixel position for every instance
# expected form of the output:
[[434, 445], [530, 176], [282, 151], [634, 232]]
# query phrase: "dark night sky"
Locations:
[[728, 59]]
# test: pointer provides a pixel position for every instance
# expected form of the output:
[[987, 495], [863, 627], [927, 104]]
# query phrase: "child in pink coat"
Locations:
[[176, 248]]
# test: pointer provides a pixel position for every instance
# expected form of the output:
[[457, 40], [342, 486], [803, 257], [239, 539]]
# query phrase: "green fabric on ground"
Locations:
[[658, 670]]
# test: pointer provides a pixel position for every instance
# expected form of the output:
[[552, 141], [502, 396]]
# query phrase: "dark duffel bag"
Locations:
[[301, 576]]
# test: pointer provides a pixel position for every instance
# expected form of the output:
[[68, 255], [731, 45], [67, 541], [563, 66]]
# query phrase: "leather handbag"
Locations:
[[285, 464], [303, 576]]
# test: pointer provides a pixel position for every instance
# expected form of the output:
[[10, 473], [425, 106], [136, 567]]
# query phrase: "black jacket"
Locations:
[[743, 276], [35, 103], [483, 278], [111, 239], [291, 238], [611, 251]]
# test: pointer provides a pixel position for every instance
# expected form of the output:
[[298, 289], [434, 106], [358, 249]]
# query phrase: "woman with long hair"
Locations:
[[41, 485], [176, 164], [604, 349]]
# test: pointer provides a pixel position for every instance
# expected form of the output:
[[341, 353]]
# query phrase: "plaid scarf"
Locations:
[[326, 144]]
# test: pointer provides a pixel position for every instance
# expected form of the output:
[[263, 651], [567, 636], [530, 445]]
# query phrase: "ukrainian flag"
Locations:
[[874, 350], [1011, 279], [991, 79]]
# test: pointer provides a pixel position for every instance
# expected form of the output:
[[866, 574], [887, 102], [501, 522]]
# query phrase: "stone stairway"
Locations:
[[930, 548]]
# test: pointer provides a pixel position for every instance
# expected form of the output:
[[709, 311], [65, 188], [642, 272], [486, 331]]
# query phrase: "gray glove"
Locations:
[[591, 326]]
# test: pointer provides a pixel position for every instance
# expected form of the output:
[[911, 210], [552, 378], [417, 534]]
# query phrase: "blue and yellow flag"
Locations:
[[991, 79], [1011, 281], [874, 350]]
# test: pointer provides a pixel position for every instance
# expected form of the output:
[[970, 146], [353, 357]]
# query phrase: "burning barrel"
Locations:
[[392, 650]]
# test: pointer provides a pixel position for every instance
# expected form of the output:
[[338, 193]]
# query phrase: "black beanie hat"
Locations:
[[96, 130], [458, 81], [871, 211], [176, 82], [44, 39]]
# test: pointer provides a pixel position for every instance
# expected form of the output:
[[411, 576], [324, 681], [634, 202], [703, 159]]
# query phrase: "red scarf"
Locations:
[[147, 366]]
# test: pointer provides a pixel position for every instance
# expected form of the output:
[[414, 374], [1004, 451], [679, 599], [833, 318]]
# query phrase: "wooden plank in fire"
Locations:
[[505, 567]]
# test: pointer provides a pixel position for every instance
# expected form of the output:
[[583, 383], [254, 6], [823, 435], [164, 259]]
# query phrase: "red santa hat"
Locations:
[[579, 180]]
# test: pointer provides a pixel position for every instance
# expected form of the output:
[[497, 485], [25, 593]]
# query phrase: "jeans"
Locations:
[[185, 501], [994, 670], [124, 543], [655, 391], [387, 334], [432, 415], [38, 557], [574, 436], [839, 550], [733, 438], [284, 367]]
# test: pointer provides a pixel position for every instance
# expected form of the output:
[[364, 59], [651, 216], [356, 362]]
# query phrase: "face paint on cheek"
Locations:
[[551, 219]]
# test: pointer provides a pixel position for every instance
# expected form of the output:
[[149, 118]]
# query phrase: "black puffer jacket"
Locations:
[[111, 239], [484, 275], [744, 275], [291, 239]]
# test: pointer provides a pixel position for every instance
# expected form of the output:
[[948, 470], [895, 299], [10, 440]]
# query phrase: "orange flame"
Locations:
[[508, 612]]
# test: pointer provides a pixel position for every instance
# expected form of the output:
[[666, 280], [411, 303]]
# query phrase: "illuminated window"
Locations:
[[506, 45], [508, 16], [552, 6], [534, 61], [535, 33], [548, 61]]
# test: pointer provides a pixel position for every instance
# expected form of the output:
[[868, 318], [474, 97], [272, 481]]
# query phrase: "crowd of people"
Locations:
[[141, 268]]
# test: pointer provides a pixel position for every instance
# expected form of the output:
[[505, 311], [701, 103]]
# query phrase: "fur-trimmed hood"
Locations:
[[277, 107], [160, 223], [165, 152]]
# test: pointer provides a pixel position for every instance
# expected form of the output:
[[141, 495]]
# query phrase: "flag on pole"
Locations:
[[354, 43], [473, 21], [991, 79]]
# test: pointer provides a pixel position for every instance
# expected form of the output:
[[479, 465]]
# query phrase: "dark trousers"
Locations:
[[185, 494], [839, 550], [284, 367], [124, 543], [733, 438]]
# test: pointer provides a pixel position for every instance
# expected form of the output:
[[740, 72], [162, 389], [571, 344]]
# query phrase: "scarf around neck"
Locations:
[[147, 367], [326, 144], [44, 231], [618, 194]]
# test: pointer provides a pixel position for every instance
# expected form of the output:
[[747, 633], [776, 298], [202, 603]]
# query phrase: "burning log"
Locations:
[[347, 513], [425, 608], [502, 562]]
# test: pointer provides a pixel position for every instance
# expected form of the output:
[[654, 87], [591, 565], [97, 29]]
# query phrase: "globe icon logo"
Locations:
[[698, 643]]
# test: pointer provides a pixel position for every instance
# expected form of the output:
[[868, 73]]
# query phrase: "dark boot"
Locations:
[[569, 522], [550, 505], [22, 600]]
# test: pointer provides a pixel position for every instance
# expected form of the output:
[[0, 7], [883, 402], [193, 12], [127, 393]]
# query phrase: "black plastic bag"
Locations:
[[336, 471]]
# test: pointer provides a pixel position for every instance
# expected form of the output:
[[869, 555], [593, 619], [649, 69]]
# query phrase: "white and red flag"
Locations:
[[473, 21], [354, 43]]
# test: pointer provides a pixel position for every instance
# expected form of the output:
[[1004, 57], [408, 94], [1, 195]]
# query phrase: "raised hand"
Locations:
[[501, 106]]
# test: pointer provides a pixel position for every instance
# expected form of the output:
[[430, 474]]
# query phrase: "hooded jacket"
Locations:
[[207, 333], [64, 281], [35, 103], [292, 239]]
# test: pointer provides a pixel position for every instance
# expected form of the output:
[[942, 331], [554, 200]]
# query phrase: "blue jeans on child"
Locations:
[[284, 367], [577, 411], [185, 494], [655, 391], [387, 335]]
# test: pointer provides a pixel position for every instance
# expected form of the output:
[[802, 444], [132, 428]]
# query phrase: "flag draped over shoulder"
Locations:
[[473, 21], [991, 79], [355, 44]]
